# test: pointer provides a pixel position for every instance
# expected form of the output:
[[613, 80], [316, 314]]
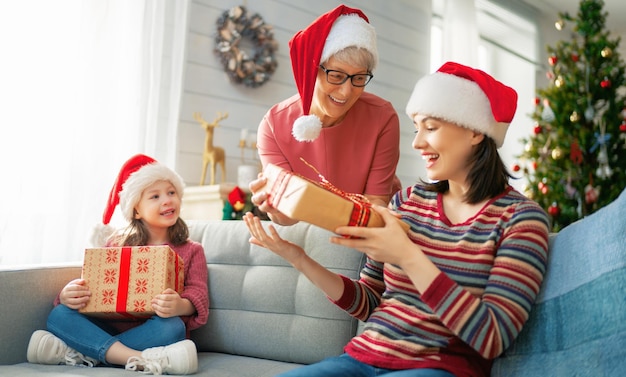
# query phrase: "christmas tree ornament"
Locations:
[[622, 127], [554, 209], [559, 25], [575, 153], [516, 167], [552, 60], [606, 83], [589, 113], [574, 117], [547, 114], [570, 190], [606, 52], [537, 101], [591, 193], [575, 57], [557, 153], [559, 82], [537, 129]]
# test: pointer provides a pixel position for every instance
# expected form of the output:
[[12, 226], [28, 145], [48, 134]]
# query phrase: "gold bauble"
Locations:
[[574, 117], [606, 52], [557, 153], [559, 24], [559, 81]]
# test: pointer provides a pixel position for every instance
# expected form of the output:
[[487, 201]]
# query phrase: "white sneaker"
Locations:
[[177, 358], [45, 348]]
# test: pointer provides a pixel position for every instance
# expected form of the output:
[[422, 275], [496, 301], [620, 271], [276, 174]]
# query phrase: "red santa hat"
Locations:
[[139, 172], [465, 96], [330, 33]]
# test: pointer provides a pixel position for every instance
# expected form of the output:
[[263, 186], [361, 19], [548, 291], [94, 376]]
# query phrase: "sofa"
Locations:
[[266, 318]]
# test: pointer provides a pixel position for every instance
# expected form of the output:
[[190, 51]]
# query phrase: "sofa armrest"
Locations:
[[26, 299]]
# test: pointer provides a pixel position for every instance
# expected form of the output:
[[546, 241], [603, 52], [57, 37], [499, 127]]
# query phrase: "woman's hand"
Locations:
[[170, 304], [75, 294], [259, 199], [388, 244], [272, 241]]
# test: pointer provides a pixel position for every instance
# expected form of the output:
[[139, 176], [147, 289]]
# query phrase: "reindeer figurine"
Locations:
[[212, 155]]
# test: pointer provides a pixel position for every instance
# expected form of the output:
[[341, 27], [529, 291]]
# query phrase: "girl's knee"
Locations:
[[173, 327]]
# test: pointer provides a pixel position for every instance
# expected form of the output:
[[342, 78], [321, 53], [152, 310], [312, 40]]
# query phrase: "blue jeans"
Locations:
[[92, 337], [345, 365]]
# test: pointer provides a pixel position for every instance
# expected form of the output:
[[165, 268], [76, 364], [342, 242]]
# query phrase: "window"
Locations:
[[507, 49]]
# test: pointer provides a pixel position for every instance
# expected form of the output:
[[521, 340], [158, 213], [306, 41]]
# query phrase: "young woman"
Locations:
[[149, 195], [350, 136], [452, 294]]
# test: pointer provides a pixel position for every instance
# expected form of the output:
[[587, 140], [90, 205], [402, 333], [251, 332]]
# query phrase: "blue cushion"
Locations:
[[578, 324]]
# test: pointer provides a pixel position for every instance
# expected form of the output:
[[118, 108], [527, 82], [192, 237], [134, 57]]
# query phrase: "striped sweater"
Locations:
[[492, 267]]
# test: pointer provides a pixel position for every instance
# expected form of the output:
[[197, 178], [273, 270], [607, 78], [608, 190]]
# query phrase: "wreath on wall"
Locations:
[[252, 68]]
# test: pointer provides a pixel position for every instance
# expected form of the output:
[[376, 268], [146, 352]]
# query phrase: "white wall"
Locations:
[[403, 28]]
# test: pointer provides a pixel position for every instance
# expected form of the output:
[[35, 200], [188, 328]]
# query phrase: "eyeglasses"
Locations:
[[337, 77]]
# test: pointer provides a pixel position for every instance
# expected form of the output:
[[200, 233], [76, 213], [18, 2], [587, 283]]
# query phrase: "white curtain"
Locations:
[[460, 32], [86, 84]]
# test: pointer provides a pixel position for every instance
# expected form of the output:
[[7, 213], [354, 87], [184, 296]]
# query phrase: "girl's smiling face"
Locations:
[[445, 146], [331, 102], [159, 205]]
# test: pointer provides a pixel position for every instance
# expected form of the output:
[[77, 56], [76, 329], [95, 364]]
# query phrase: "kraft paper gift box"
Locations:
[[318, 203], [123, 280]]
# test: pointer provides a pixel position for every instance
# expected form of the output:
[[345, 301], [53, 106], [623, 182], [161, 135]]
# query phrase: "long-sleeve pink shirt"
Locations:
[[358, 155]]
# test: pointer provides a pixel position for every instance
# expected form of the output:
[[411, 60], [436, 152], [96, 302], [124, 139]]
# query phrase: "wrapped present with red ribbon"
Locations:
[[318, 203], [123, 280]]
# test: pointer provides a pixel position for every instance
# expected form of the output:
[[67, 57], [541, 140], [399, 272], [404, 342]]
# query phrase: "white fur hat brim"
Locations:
[[457, 100], [138, 181], [350, 30]]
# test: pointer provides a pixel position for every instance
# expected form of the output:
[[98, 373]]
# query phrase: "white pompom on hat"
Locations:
[[465, 96], [330, 33], [139, 172]]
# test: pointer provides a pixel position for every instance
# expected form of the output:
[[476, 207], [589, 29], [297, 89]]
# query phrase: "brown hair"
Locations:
[[487, 177], [137, 234]]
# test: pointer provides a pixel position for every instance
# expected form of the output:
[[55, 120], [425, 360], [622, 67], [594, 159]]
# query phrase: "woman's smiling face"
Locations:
[[331, 102], [445, 146]]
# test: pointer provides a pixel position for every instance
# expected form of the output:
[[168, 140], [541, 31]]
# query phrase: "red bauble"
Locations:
[[537, 129], [537, 101], [606, 83], [553, 60], [622, 127], [554, 210], [516, 167], [575, 58], [534, 165]]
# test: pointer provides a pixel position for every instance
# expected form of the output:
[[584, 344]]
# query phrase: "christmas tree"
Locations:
[[575, 160]]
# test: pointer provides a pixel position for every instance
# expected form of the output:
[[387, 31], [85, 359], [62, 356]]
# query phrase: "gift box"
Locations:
[[123, 280], [318, 203]]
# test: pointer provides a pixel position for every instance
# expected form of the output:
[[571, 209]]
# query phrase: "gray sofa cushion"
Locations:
[[579, 321], [260, 306]]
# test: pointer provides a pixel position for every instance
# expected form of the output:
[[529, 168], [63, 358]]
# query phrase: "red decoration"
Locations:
[[575, 154], [542, 187], [622, 127], [606, 83], [534, 165], [591, 194], [553, 60], [575, 57], [537, 129], [537, 101], [554, 209], [516, 167]]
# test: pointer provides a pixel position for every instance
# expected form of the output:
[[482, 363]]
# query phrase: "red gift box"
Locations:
[[123, 280]]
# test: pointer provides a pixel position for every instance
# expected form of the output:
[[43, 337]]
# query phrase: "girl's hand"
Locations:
[[75, 294], [170, 304], [272, 241], [388, 244]]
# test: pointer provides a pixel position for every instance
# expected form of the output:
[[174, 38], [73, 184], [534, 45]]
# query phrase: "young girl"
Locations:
[[451, 295], [149, 195]]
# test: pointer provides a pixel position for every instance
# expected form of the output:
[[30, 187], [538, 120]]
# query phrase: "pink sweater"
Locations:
[[358, 155]]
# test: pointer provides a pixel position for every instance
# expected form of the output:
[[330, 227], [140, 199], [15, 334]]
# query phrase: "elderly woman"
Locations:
[[350, 136]]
